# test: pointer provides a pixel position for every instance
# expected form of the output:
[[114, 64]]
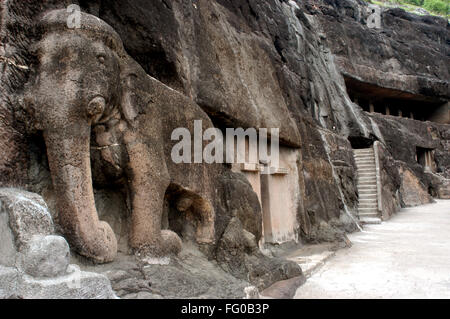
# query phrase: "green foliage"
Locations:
[[438, 6], [441, 7], [415, 2]]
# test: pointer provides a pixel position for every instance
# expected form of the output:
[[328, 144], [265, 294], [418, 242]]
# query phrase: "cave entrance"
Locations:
[[425, 157], [376, 99], [277, 188], [188, 215], [278, 221], [360, 142]]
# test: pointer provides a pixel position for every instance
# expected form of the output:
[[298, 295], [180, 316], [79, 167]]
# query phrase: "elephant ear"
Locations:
[[133, 79]]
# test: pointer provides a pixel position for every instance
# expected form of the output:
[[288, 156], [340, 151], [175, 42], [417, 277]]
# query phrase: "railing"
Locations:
[[378, 176]]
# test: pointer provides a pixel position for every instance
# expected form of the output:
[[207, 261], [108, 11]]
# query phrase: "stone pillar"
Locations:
[[388, 111], [371, 107], [400, 113], [429, 160], [279, 198], [411, 115]]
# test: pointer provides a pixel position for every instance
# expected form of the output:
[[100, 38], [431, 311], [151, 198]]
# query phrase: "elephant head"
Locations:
[[77, 85]]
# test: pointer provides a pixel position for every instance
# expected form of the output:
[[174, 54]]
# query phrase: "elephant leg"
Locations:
[[149, 179]]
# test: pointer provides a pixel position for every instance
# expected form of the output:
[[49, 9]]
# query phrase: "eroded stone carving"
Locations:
[[34, 263], [103, 93]]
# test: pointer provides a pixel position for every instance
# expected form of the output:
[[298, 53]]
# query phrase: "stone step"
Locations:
[[366, 166], [368, 196], [367, 200], [365, 189], [371, 199], [364, 170], [363, 150], [368, 214], [366, 183], [362, 161], [366, 186], [367, 171], [371, 206], [367, 174], [368, 155], [361, 156], [368, 178], [367, 210], [365, 197], [365, 180], [365, 161], [367, 193], [370, 220]]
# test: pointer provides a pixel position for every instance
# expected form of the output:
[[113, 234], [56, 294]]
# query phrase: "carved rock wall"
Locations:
[[259, 64]]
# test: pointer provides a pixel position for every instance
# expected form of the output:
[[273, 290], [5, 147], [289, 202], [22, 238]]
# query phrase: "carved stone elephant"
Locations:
[[87, 96]]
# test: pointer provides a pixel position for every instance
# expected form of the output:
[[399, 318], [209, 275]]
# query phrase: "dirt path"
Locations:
[[405, 257]]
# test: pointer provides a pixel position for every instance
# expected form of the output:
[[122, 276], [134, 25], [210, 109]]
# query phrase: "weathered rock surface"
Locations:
[[75, 285], [298, 89], [285, 289], [413, 192], [45, 256], [189, 275], [401, 137], [390, 179], [9, 278], [28, 215], [7, 245], [396, 55], [33, 262], [238, 253], [250, 63]]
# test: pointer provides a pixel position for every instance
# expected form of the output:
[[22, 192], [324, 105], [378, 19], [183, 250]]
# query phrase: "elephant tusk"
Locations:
[[103, 147], [10, 61]]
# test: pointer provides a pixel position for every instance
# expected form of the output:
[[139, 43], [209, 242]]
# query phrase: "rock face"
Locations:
[[46, 256], [238, 254], [403, 139], [389, 69], [393, 55], [299, 66], [413, 193], [33, 262]]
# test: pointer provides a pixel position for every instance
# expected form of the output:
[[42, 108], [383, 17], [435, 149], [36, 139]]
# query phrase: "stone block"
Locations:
[[46, 256]]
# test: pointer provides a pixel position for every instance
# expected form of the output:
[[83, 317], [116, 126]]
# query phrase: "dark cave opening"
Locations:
[[188, 215], [360, 142], [375, 99], [425, 157]]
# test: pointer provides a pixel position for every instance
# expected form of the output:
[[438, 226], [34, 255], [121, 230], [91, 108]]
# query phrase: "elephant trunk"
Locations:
[[68, 151]]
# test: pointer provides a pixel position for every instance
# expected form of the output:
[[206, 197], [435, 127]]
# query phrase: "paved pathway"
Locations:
[[405, 257]]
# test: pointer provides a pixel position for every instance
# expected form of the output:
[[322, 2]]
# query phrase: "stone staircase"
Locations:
[[367, 186]]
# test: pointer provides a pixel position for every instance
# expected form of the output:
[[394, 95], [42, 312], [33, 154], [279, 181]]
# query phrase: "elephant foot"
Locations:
[[101, 244], [168, 243]]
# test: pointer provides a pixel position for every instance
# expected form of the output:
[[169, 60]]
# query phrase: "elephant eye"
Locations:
[[101, 58]]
